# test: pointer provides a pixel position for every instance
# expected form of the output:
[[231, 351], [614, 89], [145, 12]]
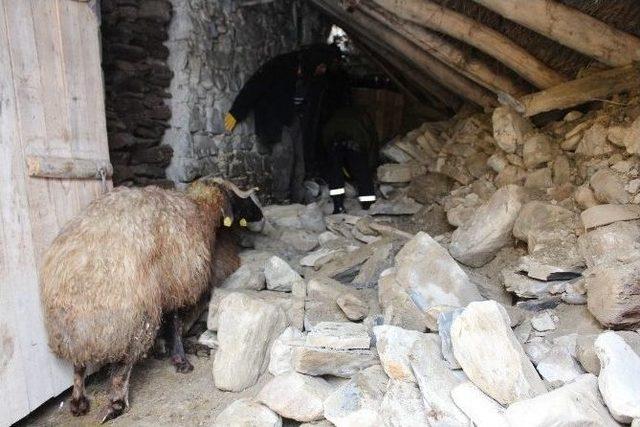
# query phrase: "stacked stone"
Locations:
[[215, 47], [136, 81]]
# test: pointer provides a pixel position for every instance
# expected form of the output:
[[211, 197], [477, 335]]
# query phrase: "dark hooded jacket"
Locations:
[[270, 92]]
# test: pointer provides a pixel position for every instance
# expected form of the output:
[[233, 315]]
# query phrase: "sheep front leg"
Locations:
[[178, 356], [79, 404], [119, 393]]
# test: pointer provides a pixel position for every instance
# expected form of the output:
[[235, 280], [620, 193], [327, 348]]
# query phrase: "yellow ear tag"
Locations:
[[243, 222], [227, 221]]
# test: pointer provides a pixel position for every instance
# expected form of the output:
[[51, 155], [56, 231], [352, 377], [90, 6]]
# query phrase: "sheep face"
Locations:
[[238, 205]]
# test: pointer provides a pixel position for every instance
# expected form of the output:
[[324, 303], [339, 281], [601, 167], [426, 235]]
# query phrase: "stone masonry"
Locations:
[[215, 46]]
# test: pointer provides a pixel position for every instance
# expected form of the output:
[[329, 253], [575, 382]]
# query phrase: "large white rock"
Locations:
[[280, 276], [402, 406], [339, 336], [431, 277], [357, 402], [574, 404], [246, 328], [281, 355], [619, 379], [248, 412], [436, 381], [479, 239], [489, 353], [296, 396], [609, 243], [394, 345], [613, 294], [482, 410]]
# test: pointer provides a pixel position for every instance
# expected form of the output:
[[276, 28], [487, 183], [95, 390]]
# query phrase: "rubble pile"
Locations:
[[478, 289]]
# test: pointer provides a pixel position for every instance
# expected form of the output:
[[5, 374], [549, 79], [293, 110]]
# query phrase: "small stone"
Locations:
[[296, 396], [536, 350], [399, 173], [430, 188], [584, 197], [616, 135], [539, 179], [353, 307], [608, 187], [632, 137], [436, 381], [339, 336], [478, 241], [594, 142], [301, 240], [397, 206], [613, 294], [574, 404], [558, 366], [497, 162], [280, 360], [619, 380], [357, 403], [481, 332], [394, 345], [248, 412], [509, 128], [339, 363], [572, 116], [444, 330], [209, 338], [245, 277], [524, 286], [397, 306], [606, 214], [537, 150], [482, 410], [402, 406], [279, 275], [246, 328], [543, 322]]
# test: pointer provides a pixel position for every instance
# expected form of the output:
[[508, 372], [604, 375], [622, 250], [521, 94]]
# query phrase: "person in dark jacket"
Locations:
[[349, 138], [276, 95]]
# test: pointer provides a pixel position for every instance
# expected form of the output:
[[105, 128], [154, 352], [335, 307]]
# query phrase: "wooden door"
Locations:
[[51, 106]]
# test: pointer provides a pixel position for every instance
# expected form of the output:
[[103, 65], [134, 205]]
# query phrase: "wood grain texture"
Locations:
[[51, 105]]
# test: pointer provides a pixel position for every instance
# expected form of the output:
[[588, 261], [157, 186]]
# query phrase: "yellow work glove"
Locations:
[[229, 122]]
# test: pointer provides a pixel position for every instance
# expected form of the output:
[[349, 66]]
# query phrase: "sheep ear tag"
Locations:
[[227, 221], [243, 222]]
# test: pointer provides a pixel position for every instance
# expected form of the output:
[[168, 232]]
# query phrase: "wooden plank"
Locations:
[[591, 88], [14, 232], [68, 168]]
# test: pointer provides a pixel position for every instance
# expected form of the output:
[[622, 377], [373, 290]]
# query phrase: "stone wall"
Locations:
[[136, 83], [215, 46]]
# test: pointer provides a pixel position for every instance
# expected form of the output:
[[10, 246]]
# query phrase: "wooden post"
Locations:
[[596, 86], [571, 28], [461, 27]]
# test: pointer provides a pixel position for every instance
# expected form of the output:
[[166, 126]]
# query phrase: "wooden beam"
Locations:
[[448, 53], [425, 83], [448, 77], [591, 88], [68, 168], [571, 28], [461, 27]]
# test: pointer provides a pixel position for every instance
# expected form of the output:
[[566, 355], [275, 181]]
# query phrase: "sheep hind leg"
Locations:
[[119, 393], [178, 356], [79, 404]]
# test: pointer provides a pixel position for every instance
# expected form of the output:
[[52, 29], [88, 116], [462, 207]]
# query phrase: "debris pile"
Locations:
[[478, 288]]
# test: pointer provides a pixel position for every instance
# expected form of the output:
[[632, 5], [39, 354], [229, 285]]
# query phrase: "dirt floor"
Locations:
[[158, 397]]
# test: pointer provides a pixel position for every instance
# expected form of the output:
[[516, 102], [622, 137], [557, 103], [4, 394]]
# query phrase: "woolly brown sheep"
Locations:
[[130, 257]]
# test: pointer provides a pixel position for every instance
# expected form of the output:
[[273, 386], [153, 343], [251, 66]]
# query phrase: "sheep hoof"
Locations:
[[115, 409], [182, 364], [79, 406]]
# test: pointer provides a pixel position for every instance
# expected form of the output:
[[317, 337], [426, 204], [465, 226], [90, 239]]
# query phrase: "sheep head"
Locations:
[[233, 203]]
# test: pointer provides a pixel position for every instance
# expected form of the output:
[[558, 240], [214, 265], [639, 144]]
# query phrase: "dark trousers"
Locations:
[[288, 169], [346, 155]]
